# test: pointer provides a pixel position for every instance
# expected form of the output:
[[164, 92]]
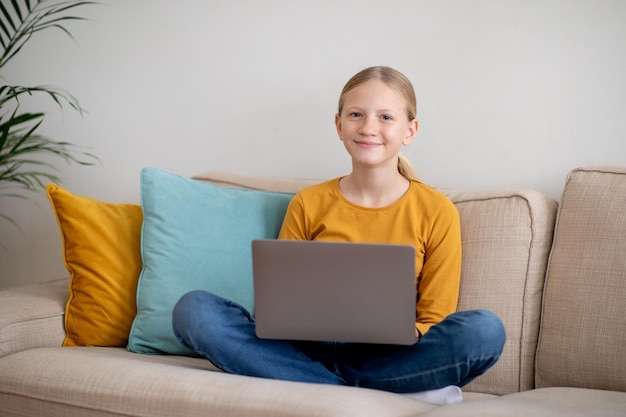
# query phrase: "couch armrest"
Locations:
[[32, 316]]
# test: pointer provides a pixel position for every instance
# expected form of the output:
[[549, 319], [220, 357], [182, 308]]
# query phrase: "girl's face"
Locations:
[[373, 125]]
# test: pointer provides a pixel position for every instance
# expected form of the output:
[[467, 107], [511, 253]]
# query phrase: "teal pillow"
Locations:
[[195, 235]]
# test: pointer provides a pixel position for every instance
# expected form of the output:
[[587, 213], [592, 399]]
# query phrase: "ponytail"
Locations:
[[406, 169]]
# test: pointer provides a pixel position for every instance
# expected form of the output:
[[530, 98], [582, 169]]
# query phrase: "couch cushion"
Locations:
[[80, 381], [506, 237], [545, 402], [195, 236], [280, 184], [583, 330], [32, 316], [102, 254]]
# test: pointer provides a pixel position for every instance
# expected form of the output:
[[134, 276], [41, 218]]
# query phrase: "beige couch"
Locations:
[[562, 299]]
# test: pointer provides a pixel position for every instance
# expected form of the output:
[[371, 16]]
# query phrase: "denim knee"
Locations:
[[489, 328], [186, 310], [201, 314]]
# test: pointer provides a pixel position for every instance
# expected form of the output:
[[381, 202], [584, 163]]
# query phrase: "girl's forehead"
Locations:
[[373, 92]]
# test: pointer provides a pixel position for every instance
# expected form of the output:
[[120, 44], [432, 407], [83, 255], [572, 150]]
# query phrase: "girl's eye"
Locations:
[[355, 115], [386, 117]]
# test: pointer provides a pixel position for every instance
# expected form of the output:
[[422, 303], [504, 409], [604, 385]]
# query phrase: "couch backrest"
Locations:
[[583, 331], [506, 242], [279, 184]]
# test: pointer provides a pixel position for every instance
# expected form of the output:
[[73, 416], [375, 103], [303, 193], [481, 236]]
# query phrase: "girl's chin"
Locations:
[[371, 163]]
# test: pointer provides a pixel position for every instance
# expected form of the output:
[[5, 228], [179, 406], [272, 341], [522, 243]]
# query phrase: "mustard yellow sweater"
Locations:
[[423, 217]]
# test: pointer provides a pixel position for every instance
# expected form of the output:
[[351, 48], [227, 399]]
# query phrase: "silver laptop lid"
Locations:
[[332, 291]]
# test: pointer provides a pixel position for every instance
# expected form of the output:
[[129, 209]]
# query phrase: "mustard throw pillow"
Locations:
[[101, 250]]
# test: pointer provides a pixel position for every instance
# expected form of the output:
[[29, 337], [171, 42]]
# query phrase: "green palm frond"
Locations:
[[12, 93], [22, 19], [21, 153], [26, 158]]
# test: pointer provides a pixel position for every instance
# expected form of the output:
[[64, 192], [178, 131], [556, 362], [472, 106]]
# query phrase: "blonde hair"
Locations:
[[402, 86]]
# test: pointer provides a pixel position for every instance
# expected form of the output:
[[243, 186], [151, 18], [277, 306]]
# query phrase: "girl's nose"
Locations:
[[368, 126]]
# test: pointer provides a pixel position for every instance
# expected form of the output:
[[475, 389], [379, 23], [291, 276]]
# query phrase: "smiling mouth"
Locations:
[[367, 144]]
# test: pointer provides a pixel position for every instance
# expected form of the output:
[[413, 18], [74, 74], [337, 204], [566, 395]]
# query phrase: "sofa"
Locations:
[[554, 272]]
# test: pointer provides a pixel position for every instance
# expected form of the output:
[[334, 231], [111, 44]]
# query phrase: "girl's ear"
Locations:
[[411, 132], [338, 125]]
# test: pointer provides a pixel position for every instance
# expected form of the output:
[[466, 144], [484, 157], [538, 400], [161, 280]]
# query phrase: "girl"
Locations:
[[379, 201]]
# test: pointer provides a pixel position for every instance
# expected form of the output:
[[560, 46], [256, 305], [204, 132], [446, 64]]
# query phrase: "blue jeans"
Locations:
[[454, 352]]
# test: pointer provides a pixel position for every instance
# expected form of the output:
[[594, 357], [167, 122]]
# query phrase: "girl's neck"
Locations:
[[373, 189]]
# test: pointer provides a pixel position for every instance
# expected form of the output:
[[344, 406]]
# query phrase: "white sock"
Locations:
[[446, 395]]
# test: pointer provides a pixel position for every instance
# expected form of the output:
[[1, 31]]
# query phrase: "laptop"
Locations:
[[334, 291]]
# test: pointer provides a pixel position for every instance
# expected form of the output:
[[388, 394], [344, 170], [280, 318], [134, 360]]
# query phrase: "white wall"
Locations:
[[511, 93]]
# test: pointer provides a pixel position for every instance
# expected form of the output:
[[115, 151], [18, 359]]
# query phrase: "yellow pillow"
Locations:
[[101, 250]]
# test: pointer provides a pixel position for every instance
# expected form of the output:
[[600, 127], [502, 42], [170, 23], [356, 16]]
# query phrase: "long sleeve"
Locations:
[[439, 281]]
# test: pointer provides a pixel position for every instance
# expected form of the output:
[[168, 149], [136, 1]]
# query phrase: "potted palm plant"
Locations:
[[25, 155]]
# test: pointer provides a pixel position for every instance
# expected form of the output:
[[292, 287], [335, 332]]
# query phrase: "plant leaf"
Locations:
[[16, 7], [15, 120], [40, 17], [25, 155], [7, 16], [8, 93]]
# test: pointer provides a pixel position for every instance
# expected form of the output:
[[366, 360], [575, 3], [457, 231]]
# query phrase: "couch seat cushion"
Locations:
[[79, 381], [544, 402]]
